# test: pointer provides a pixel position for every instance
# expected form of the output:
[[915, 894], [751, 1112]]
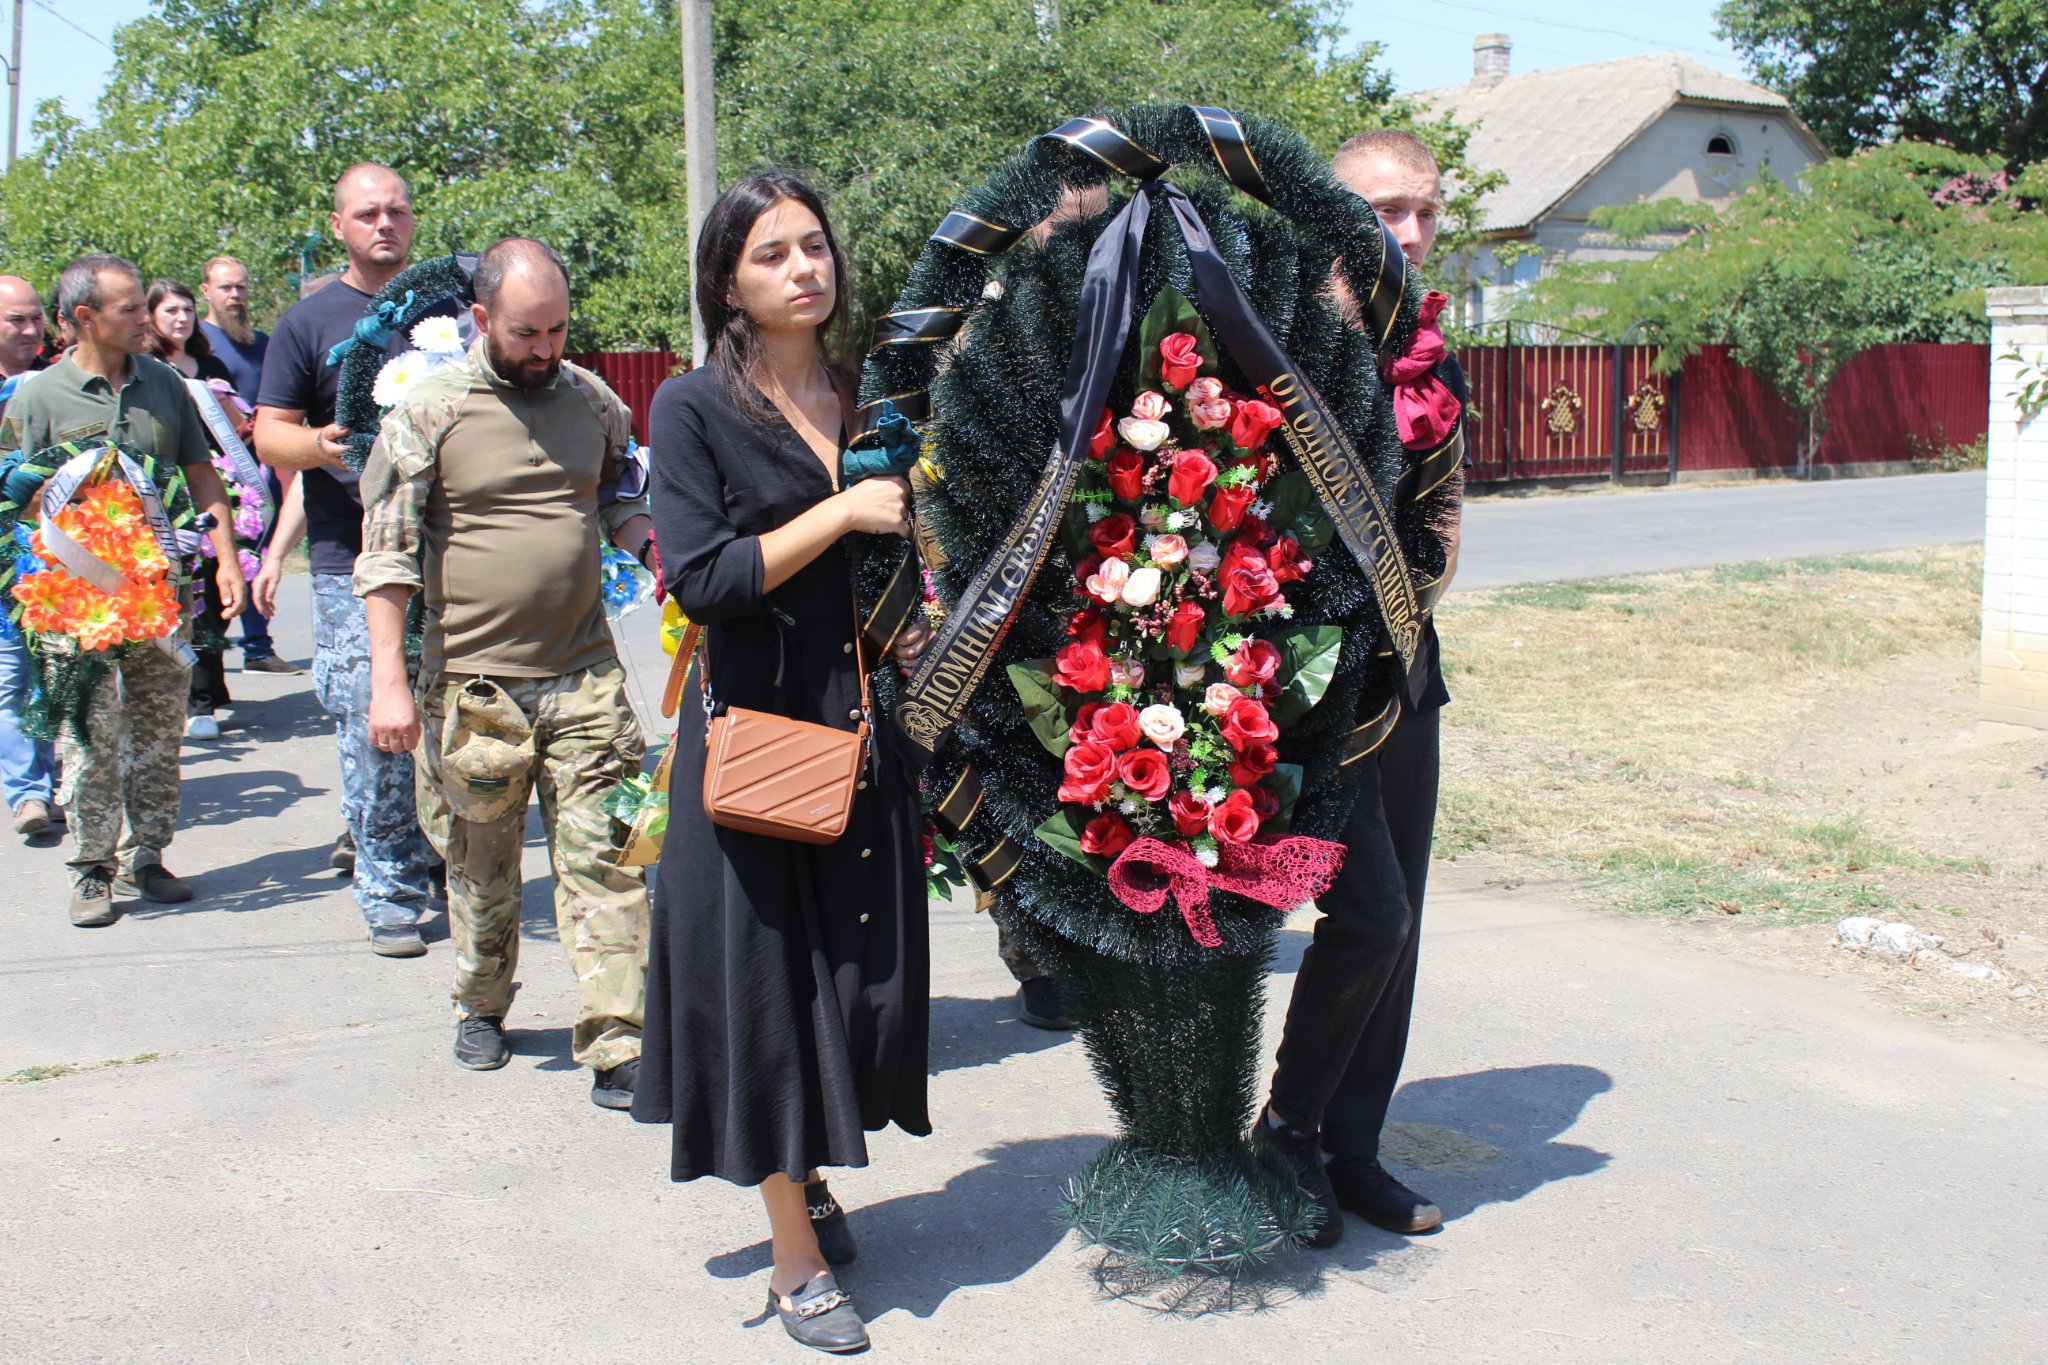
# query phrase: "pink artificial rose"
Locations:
[[1106, 584], [1210, 415], [1218, 700], [1204, 389], [1150, 407], [1167, 550]]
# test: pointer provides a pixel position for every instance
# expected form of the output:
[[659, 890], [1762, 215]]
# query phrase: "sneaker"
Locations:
[[31, 817], [271, 663], [480, 1043], [202, 726], [1038, 1005], [1302, 1153], [1364, 1187], [92, 901], [343, 858], [152, 883], [397, 940], [613, 1088]]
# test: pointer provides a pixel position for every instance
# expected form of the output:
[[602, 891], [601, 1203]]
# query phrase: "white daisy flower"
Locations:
[[1216, 795], [1206, 856], [438, 336], [399, 374], [1128, 806]]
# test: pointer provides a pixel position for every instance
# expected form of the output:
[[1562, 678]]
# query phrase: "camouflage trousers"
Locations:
[[585, 739], [130, 768]]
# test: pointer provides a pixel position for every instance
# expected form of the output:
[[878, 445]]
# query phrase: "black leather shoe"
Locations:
[[821, 1316], [1038, 1005], [152, 883], [612, 1088], [480, 1042], [1303, 1153], [828, 1220], [1364, 1187]]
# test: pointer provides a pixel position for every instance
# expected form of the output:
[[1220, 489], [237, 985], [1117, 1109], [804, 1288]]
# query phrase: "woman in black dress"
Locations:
[[789, 984]]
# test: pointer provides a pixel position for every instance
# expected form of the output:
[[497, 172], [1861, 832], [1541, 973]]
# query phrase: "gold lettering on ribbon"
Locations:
[[1333, 468]]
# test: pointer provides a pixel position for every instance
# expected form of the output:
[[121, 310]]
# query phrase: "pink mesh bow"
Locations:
[[1281, 873], [1425, 410]]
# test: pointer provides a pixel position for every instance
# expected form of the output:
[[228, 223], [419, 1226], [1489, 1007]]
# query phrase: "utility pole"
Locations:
[[700, 141], [14, 88]]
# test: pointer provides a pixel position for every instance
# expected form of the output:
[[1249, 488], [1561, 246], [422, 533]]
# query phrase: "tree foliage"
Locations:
[[1969, 73], [225, 122], [1873, 250]]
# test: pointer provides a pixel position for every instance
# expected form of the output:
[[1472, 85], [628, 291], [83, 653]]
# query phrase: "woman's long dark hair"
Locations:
[[733, 342], [196, 345]]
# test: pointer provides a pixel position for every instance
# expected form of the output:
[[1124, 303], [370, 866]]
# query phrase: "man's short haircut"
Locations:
[[79, 286], [359, 168], [503, 255], [1397, 145], [206, 271]]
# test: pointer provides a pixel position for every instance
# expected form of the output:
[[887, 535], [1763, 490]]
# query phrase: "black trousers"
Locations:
[[210, 674], [1347, 1025]]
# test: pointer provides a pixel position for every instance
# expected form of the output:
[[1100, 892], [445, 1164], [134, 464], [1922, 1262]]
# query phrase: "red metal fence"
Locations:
[[633, 376]]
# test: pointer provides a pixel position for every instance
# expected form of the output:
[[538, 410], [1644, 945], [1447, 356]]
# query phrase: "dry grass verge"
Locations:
[[1782, 744]]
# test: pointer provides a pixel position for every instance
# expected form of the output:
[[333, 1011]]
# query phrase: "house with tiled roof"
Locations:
[[1576, 138]]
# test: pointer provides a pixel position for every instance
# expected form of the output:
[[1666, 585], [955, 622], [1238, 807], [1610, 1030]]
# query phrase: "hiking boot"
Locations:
[[397, 940], [1038, 1005], [152, 883], [92, 901], [31, 817], [480, 1043], [1364, 1187], [271, 663], [613, 1088], [1303, 1155], [343, 858]]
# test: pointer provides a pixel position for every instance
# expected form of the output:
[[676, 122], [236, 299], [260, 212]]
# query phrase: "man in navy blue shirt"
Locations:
[[224, 284]]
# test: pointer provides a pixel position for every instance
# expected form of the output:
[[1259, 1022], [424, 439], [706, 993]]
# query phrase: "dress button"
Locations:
[[863, 918], [846, 648], [854, 714], [865, 852], [861, 785]]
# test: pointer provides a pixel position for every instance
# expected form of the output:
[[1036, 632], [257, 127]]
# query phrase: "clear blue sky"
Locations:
[[1425, 42]]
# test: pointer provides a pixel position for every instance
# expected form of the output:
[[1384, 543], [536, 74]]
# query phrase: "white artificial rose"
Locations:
[[1141, 434], [1204, 557], [1188, 674], [1141, 589], [1162, 724]]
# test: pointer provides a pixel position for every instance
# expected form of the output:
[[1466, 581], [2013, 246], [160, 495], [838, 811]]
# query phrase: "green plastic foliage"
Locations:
[[1170, 312], [1308, 661], [1043, 708], [1062, 833]]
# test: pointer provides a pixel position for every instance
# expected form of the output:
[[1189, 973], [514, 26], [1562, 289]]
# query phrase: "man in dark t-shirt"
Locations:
[[295, 429]]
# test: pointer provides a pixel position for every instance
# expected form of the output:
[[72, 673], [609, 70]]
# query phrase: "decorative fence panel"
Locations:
[[633, 376], [1547, 412]]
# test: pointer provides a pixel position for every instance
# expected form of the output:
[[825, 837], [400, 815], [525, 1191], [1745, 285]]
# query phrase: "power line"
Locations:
[[1576, 28], [64, 19]]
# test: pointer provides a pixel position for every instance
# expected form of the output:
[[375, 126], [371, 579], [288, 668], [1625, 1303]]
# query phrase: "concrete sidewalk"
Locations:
[[1643, 1149]]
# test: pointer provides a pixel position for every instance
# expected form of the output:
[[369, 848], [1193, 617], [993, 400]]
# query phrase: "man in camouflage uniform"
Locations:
[[487, 490]]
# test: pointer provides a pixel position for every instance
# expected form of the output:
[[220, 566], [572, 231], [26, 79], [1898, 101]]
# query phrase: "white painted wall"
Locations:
[[2013, 685]]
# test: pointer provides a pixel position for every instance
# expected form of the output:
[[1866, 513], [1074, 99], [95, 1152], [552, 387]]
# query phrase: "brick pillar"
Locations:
[[2013, 690]]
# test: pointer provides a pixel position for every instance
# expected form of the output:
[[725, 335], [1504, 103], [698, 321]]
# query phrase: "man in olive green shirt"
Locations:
[[106, 390]]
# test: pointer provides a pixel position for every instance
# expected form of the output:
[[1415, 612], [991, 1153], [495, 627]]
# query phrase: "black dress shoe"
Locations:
[[828, 1220], [1364, 1187], [480, 1042], [1038, 1005], [1303, 1155], [612, 1088], [821, 1316]]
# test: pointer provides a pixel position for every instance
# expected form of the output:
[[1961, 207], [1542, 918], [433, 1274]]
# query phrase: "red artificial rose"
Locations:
[[1082, 730], [1255, 664], [1226, 509], [1178, 359], [1089, 768], [1248, 585], [1192, 474], [1106, 836], [1115, 726], [1184, 627], [1251, 764], [1104, 437], [1082, 666], [1236, 821], [1126, 473], [1246, 723], [1190, 813], [1115, 536], [1287, 561], [1087, 624], [1144, 772], [1266, 802], [1252, 423]]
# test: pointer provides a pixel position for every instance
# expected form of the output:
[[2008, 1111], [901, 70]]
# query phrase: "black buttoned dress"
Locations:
[[789, 984]]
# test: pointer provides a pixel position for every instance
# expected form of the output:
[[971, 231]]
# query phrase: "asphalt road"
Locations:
[[1643, 1149], [1545, 538]]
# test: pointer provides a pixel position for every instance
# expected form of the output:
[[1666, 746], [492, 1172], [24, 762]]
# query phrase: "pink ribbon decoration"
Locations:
[[1282, 873], [1425, 410]]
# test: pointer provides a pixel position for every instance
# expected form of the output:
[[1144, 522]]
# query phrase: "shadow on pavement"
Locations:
[[242, 794], [988, 1225], [269, 881], [295, 715], [1489, 1137], [968, 1032]]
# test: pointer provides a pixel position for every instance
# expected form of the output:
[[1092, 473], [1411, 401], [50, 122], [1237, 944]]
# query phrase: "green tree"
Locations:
[[1969, 73], [1798, 283]]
